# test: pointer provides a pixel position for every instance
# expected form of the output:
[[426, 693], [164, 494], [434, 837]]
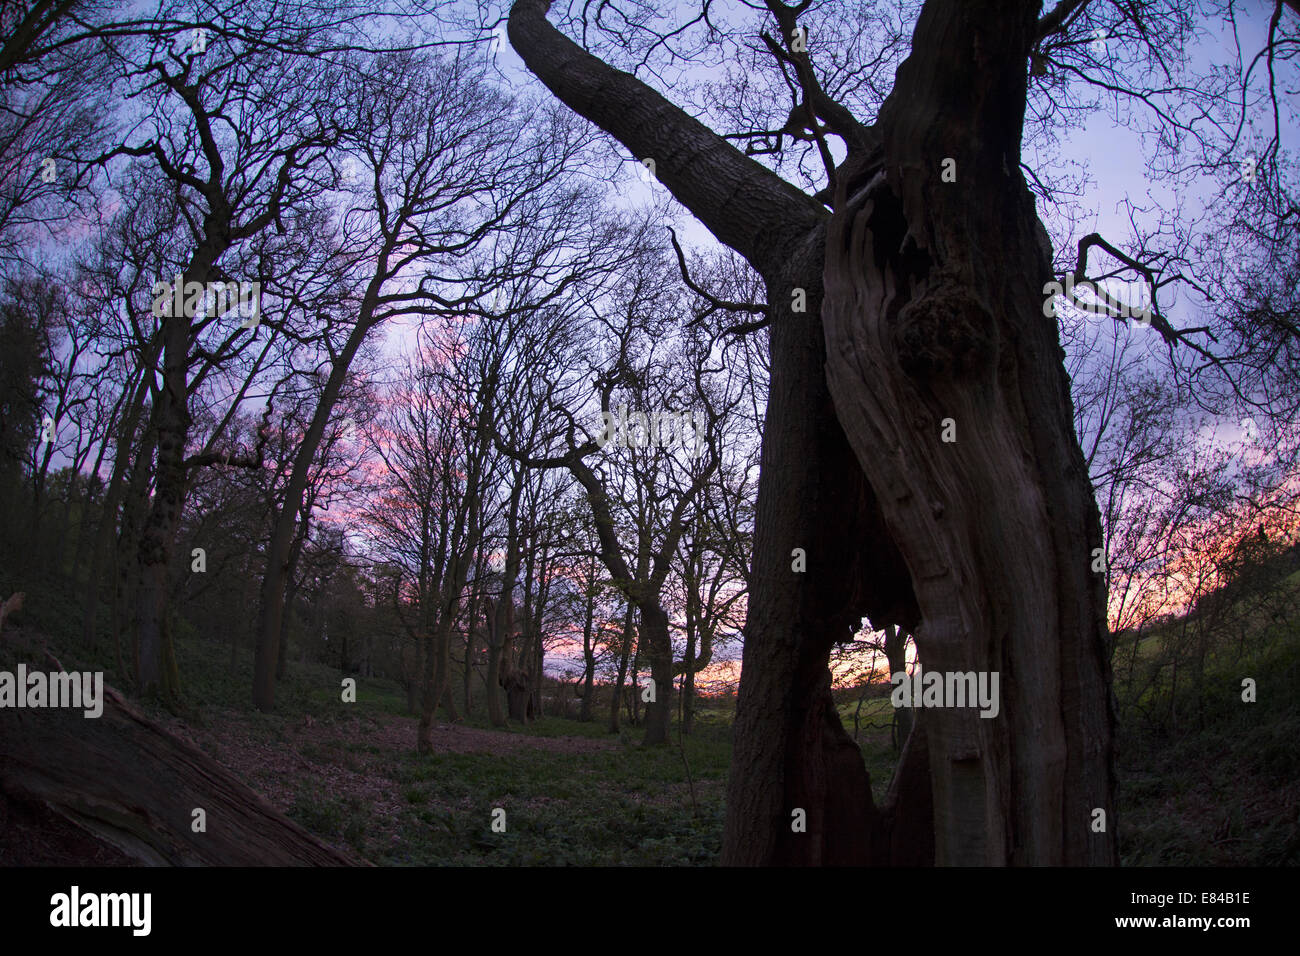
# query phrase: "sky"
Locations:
[[1111, 155]]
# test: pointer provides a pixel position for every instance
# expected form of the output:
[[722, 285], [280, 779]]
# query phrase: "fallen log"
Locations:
[[134, 785]]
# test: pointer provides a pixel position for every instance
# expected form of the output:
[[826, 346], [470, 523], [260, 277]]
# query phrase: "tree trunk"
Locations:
[[698, 625], [518, 686], [497, 648], [634, 698], [896, 654], [928, 324], [286, 522], [659, 649], [449, 702], [442, 669], [588, 657], [537, 649], [437, 668], [468, 670], [290, 595], [981, 547], [624, 653], [282, 654], [789, 743], [428, 702], [126, 578], [468, 674], [688, 686], [157, 665], [134, 785]]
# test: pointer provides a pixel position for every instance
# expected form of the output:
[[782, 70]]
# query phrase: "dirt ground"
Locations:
[[326, 752]]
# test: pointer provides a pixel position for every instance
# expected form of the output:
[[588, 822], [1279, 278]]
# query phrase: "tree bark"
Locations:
[[468, 673], [282, 651], [135, 506], [659, 649], [518, 688], [624, 653], [896, 654], [789, 742], [929, 323], [134, 785], [278, 564], [156, 660], [500, 640], [688, 686], [923, 303]]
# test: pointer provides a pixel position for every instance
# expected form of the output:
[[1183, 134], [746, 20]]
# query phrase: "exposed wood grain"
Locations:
[[133, 785]]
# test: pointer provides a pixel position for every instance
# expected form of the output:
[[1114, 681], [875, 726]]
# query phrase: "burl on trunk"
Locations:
[[923, 317]]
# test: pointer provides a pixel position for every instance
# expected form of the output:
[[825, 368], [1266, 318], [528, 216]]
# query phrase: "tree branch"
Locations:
[[1057, 18], [744, 204], [715, 303]]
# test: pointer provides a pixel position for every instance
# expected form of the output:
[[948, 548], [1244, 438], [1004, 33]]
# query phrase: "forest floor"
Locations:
[[349, 772], [1206, 779], [1224, 790], [572, 793], [1221, 786]]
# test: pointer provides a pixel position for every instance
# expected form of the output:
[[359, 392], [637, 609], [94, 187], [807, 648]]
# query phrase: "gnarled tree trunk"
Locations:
[[518, 686], [933, 317], [923, 304]]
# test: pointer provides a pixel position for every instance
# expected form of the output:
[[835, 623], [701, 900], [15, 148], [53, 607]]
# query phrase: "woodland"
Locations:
[[580, 410]]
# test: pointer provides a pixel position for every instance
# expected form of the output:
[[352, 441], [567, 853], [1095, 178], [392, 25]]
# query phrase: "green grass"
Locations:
[[624, 806], [1223, 790], [1204, 778], [343, 819], [628, 805], [547, 726]]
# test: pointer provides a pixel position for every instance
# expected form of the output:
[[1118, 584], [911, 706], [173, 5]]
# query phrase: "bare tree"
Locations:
[[895, 374], [918, 443]]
